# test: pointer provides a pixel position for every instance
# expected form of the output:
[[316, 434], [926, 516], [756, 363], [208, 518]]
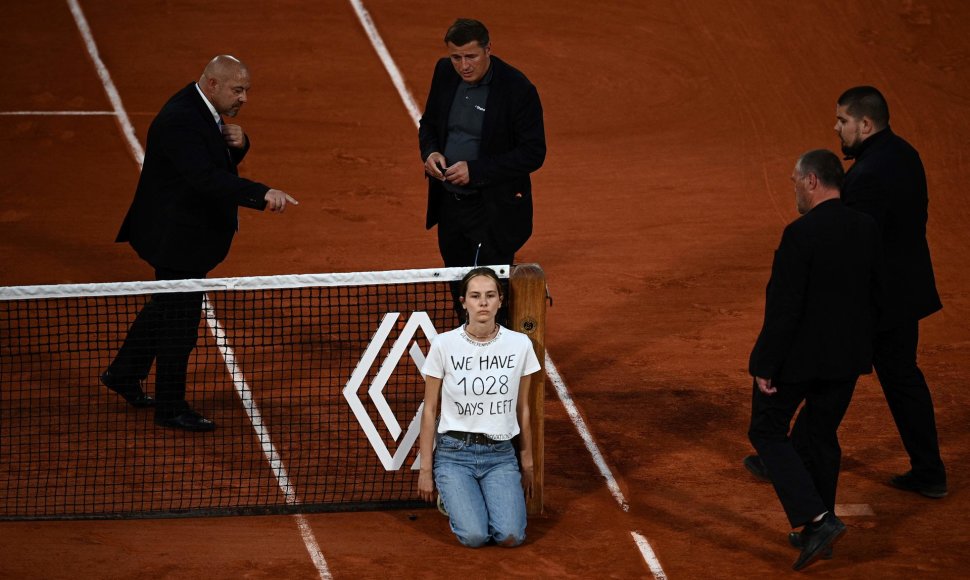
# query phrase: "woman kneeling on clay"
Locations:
[[478, 376]]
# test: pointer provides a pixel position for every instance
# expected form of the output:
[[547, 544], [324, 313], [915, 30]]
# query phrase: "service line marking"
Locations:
[[262, 433], [567, 401], [378, 43], [242, 388], [109, 87], [854, 509], [249, 405], [648, 556]]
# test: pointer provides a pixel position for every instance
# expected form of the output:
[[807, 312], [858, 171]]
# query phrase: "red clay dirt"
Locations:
[[672, 130]]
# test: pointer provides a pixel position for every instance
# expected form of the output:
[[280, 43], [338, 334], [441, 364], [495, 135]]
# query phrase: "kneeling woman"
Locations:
[[478, 375]]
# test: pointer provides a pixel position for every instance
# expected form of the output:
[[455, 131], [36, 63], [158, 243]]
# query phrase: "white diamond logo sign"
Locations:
[[375, 391]]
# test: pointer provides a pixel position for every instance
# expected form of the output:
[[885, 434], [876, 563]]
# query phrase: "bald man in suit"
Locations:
[[182, 221]]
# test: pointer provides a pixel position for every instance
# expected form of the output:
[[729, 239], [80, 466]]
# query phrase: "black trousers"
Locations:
[[464, 239], [164, 332], [805, 473], [464, 233], [894, 359]]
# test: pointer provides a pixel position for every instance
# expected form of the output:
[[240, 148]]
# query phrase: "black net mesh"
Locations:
[[315, 391]]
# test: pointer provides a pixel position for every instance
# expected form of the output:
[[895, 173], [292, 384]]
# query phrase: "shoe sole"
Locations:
[[923, 492], [797, 544]]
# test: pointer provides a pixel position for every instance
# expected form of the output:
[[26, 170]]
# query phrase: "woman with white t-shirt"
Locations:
[[478, 377]]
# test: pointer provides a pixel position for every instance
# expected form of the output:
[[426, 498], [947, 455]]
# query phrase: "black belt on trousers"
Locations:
[[465, 195], [476, 438]]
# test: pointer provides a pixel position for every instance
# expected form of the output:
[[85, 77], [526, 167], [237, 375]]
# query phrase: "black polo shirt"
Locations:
[[465, 125]]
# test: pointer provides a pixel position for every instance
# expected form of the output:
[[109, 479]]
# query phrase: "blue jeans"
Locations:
[[481, 488]]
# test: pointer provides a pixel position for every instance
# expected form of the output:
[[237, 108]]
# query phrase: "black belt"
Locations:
[[468, 438], [464, 196]]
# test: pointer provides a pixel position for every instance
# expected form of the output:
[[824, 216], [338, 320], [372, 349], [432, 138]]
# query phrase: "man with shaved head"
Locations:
[[182, 222]]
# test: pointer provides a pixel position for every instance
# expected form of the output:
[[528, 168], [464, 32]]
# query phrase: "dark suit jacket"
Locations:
[[887, 181], [823, 298], [513, 146], [183, 216]]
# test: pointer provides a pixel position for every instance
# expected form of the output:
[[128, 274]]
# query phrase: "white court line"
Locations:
[[854, 509], [109, 87], [269, 450], [378, 43], [262, 433], [57, 113], [313, 548], [246, 397], [573, 412], [392, 70], [649, 556]]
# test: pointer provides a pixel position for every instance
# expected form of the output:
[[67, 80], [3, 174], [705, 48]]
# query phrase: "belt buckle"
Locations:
[[469, 438], [464, 196]]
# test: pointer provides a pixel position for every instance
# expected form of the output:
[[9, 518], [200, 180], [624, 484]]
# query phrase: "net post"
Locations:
[[527, 314]]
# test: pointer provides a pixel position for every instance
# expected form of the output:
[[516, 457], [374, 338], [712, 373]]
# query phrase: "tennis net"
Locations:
[[312, 380]]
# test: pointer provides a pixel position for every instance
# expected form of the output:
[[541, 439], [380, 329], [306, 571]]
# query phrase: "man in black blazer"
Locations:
[[182, 221], [887, 181], [820, 312], [481, 135]]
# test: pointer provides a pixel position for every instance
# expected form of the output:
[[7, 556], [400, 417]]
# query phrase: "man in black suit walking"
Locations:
[[887, 181], [820, 311], [481, 135], [182, 221]]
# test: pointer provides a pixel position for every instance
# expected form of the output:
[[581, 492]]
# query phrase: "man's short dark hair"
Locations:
[[465, 30], [866, 101], [825, 165]]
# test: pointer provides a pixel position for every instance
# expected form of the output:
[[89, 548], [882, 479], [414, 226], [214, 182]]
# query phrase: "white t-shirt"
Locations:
[[480, 380]]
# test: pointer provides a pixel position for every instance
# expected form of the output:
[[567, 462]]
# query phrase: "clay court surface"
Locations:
[[672, 129]]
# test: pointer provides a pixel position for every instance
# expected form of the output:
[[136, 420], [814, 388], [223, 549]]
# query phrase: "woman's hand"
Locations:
[[528, 481], [426, 485]]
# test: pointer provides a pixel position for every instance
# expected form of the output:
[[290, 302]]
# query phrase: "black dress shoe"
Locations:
[[908, 482], [187, 421], [756, 467], [130, 389], [817, 537], [795, 539]]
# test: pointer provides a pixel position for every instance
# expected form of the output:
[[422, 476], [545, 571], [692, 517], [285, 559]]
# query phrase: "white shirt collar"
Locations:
[[215, 114]]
